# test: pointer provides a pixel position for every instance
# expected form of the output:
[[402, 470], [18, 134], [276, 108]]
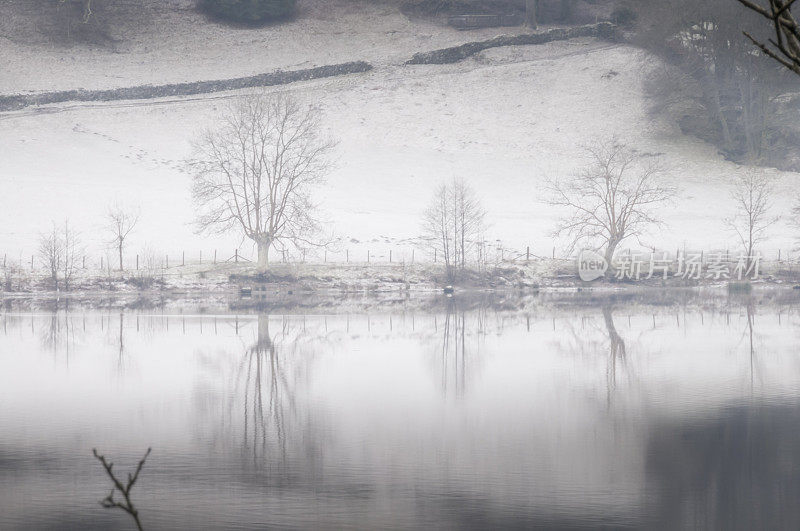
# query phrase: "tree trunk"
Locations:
[[532, 13], [264, 339], [119, 248], [567, 8], [609, 256], [264, 243]]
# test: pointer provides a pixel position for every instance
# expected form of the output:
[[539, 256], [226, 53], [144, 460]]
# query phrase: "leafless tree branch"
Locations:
[[123, 488], [613, 199], [256, 170], [752, 196], [454, 223], [785, 47], [121, 222]]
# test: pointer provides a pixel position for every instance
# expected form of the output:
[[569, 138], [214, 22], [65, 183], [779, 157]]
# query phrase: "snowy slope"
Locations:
[[175, 43], [505, 120]]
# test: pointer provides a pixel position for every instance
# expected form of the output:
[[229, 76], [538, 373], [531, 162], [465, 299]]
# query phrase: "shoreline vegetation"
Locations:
[[294, 283]]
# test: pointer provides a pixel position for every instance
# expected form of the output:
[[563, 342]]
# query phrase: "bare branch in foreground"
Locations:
[[785, 47], [124, 489]]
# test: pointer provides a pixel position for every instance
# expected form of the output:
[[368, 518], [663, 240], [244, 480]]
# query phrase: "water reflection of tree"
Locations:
[[735, 470], [617, 352], [59, 333], [459, 333], [611, 344], [265, 376], [266, 388], [751, 338], [121, 342]]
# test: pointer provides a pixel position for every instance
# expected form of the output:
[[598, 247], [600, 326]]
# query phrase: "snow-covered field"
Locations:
[[506, 120], [168, 41]]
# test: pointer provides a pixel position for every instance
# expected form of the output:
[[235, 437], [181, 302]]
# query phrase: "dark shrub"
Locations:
[[249, 11]]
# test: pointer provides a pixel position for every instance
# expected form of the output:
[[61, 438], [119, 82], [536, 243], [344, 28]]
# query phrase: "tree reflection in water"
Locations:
[[750, 334], [59, 333], [459, 346], [735, 470], [267, 387], [605, 340], [616, 350], [266, 383]]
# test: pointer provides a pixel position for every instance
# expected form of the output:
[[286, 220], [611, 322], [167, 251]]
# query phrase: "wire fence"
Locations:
[[132, 261], [363, 256]]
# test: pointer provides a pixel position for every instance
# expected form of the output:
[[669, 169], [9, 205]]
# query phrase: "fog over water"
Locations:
[[617, 413]]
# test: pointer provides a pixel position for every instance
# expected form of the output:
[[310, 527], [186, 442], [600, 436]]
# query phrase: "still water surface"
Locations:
[[618, 415]]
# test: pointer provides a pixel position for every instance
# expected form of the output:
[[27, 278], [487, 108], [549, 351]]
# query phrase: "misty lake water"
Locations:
[[615, 413]]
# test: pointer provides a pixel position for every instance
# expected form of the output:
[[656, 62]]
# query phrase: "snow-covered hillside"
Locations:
[[169, 41], [506, 120]]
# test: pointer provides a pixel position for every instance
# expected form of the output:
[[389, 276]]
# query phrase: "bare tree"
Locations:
[[8, 277], [256, 170], [716, 86], [73, 254], [454, 223], [151, 269], [121, 222], [60, 250], [51, 252], [613, 199], [532, 13], [785, 47], [752, 196], [437, 220]]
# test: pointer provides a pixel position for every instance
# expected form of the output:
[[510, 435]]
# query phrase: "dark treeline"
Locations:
[[714, 82]]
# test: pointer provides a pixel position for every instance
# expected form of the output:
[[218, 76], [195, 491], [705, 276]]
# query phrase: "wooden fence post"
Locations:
[[390, 256], [367, 255], [167, 261], [215, 257], [348, 255], [137, 262], [528, 254], [183, 258], [236, 256], [412, 255]]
